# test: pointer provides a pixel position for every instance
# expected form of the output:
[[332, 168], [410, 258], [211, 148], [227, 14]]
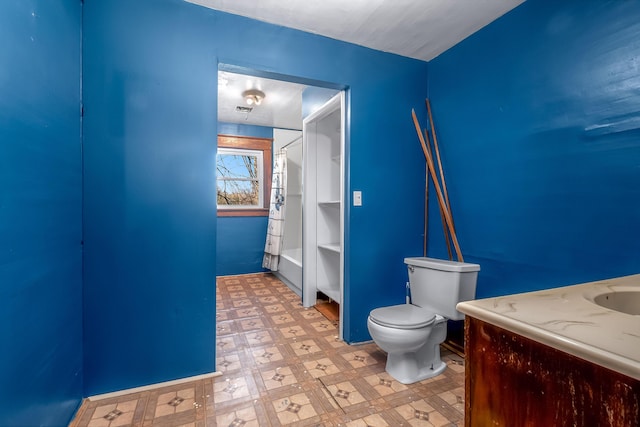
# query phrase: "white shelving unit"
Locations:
[[323, 209]]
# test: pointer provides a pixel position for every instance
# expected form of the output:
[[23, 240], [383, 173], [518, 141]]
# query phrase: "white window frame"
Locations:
[[260, 178]]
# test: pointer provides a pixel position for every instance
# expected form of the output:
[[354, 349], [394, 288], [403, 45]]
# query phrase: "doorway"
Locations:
[[287, 107]]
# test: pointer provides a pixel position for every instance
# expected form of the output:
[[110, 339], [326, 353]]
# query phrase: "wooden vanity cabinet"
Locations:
[[513, 381]]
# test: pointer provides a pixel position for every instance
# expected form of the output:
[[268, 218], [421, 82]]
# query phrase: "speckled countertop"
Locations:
[[567, 319]]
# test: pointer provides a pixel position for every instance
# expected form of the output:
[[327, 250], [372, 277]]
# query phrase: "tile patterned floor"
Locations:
[[283, 364]]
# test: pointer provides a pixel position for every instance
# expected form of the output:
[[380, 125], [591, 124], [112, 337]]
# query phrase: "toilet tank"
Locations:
[[438, 285]]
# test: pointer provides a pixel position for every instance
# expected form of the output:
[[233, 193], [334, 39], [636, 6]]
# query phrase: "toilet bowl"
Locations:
[[411, 334]]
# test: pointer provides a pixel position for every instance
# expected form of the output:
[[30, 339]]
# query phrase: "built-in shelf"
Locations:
[[331, 247], [323, 225]]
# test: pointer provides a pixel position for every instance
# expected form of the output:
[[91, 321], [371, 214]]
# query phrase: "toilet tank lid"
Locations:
[[442, 264]]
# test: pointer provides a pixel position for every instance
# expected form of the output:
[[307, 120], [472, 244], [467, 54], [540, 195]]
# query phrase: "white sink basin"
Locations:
[[623, 301]]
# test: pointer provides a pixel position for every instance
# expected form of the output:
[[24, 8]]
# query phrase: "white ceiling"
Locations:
[[281, 107], [420, 29]]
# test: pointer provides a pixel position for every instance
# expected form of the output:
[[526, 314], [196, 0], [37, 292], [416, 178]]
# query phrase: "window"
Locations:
[[243, 175], [239, 179]]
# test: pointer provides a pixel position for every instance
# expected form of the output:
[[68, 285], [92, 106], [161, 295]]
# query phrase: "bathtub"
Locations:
[[290, 269]]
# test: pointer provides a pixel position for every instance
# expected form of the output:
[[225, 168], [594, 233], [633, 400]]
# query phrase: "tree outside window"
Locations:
[[239, 178], [243, 175]]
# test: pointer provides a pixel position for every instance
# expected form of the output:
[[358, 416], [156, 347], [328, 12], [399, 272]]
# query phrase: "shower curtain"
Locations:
[[275, 227]]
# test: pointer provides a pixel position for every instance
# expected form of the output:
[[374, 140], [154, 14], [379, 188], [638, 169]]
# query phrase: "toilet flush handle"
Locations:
[[407, 297], [412, 268]]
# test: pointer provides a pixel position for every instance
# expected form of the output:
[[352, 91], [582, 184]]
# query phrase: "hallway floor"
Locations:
[[283, 364]]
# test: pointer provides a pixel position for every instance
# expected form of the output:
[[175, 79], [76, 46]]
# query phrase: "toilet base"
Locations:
[[406, 369], [411, 367]]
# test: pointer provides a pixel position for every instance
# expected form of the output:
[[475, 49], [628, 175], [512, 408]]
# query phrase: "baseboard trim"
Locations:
[[153, 386], [361, 342], [264, 273]]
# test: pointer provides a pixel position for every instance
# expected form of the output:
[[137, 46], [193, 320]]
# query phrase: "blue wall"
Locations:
[[537, 116], [240, 242], [150, 235], [149, 196], [40, 212], [237, 129], [240, 245], [539, 123]]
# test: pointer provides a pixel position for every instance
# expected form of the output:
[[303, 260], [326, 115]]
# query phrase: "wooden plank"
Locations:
[[447, 214]]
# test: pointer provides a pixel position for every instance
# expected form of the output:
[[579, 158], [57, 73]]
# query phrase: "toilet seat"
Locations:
[[402, 316]]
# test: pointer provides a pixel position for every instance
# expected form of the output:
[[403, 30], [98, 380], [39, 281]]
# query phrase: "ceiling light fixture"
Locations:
[[253, 96]]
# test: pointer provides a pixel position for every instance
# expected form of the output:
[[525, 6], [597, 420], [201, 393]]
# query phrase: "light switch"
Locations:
[[357, 198]]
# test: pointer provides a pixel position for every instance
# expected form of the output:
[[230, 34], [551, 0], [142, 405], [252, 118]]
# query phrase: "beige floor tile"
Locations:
[[294, 408], [245, 417], [278, 377], [305, 347], [284, 364], [267, 355], [374, 420], [346, 394], [292, 331], [258, 338], [102, 411], [321, 367], [384, 384]]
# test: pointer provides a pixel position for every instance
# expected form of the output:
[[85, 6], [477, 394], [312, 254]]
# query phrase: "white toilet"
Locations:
[[411, 333]]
